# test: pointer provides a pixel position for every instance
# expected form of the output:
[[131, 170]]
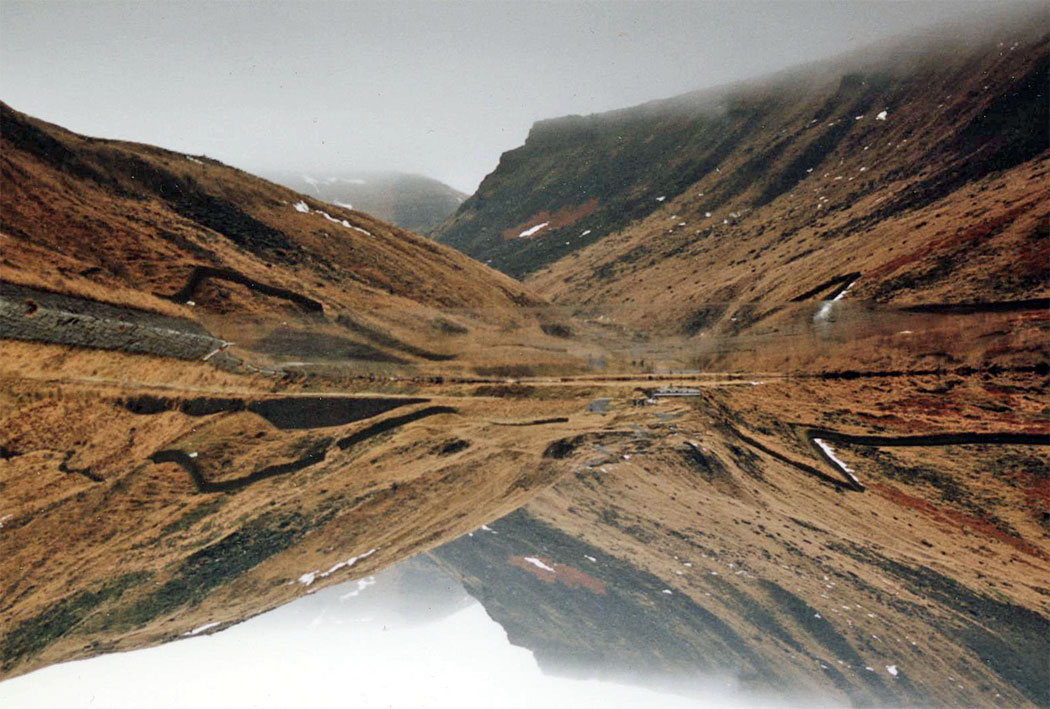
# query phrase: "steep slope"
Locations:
[[281, 274], [89, 200], [412, 202], [918, 165]]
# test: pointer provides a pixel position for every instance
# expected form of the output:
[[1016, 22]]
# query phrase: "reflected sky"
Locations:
[[407, 637]]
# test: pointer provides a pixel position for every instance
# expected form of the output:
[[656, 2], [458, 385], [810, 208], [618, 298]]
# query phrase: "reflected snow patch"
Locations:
[[539, 564]]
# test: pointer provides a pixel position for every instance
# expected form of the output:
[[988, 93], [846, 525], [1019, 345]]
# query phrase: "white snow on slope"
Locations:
[[309, 578], [532, 230], [844, 292], [838, 461], [881, 116], [201, 629], [301, 206]]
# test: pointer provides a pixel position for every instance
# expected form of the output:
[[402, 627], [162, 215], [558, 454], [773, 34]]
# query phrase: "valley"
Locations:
[[744, 387]]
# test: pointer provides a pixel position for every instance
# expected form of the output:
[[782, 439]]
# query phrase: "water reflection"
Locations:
[[410, 636], [838, 532]]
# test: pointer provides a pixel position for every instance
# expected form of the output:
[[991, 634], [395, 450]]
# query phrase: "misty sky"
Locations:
[[436, 88]]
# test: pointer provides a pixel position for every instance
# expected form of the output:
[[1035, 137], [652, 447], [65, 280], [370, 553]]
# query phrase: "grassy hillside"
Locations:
[[134, 217]]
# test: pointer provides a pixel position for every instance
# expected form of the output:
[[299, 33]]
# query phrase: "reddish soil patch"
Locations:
[[957, 519], [1036, 489], [936, 405], [564, 574], [563, 217]]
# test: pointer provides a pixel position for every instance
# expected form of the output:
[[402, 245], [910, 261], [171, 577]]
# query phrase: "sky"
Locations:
[[431, 87]]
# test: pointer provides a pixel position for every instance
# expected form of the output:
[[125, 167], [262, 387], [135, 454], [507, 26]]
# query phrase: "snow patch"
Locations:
[[532, 230], [305, 209], [538, 564], [844, 292], [309, 578], [892, 669], [661, 198], [881, 116], [344, 205], [830, 452], [201, 629]]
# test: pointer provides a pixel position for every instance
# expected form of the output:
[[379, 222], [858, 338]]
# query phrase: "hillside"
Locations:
[[80, 197], [875, 226], [919, 166], [412, 202], [276, 272], [799, 445], [214, 391]]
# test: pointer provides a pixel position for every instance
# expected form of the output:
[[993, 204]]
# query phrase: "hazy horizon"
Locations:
[[434, 88]]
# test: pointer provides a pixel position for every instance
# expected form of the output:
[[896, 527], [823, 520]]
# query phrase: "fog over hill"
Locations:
[[432, 88], [411, 202], [889, 164]]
